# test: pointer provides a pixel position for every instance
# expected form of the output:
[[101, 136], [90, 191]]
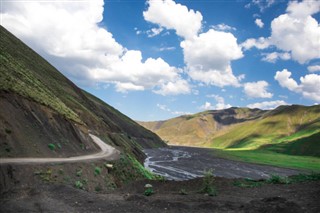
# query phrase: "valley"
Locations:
[[64, 150]]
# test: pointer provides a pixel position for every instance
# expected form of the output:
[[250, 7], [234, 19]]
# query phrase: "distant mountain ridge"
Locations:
[[244, 128], [185, 129]]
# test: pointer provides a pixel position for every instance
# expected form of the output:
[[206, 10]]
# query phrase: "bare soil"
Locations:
[[297, 197]]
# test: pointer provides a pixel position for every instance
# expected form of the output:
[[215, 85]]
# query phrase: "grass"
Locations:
[[272, 158], [276, 179]]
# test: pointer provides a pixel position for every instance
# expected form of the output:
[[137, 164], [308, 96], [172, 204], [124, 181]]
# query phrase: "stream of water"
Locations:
[[183, 163]]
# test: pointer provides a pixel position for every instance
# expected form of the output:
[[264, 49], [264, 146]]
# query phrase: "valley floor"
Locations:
[[295, 197]]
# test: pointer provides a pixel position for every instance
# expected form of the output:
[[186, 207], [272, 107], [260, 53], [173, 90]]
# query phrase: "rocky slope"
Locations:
[[43, 114]]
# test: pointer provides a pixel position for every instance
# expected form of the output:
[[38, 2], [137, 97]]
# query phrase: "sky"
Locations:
[[158, 59]]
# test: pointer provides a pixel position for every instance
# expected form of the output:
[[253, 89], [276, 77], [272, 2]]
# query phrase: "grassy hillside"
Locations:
[[287, 136], [284, 124], [197, 129], [43, 114]]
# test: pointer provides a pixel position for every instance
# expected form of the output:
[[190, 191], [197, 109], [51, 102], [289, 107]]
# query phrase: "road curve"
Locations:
[[107, 153]]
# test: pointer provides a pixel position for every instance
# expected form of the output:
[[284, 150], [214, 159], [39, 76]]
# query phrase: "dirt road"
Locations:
[[107, 152]]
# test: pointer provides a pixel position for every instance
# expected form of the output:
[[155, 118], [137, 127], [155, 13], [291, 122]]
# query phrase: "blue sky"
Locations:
[[158, 59]]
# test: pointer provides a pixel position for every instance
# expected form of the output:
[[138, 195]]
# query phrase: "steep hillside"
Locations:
[[283, 125], [198, 129], [43, 114]]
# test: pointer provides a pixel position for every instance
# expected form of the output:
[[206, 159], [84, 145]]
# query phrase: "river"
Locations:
[[183, 163]]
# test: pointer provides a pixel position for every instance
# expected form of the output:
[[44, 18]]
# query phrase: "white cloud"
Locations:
[[261, 4], [124, 87], [223, 27], [161, 49], [274, 56], [296, 32], [218, 106], [208, 57], [303, 9], [314, 68], [154, 32], [206, 106], [309, 86], [257, 89], [174, 88], [259, 23], [168, 14], [260, 43], [267, 104], [68, 35], [165, 108]]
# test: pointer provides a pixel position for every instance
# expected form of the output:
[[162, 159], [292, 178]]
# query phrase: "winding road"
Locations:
[[107, 153]]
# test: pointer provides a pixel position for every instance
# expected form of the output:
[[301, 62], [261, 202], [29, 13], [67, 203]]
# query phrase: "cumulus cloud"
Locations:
[[168, 14], [154, 32], [259, 23], [309, 86], [295, 31], [219, 105], [174, 88], [257, 89], [68, 34], [223, 27], [208, 57], [267, 104], [260, 43], [167, 109], [274, 56], [206, 106], [314, 68], [261, 4]]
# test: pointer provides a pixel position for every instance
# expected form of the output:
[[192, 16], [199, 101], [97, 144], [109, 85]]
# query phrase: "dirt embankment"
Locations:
[[298, 197]]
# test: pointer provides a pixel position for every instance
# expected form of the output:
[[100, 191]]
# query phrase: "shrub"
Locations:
[[78, 184], [183, 192], [8, 131], [208, 183], [52, 146], [79, 172], [149, 190], [276, 179], [98, 188], [97, 171]]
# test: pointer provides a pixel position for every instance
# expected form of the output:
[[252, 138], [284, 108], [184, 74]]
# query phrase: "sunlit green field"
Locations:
[[307, 163]]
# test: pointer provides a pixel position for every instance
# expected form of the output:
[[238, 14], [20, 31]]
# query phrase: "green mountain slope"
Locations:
[[40, 108], [281, 125], [286, 129], [198, 129], [288, 136]]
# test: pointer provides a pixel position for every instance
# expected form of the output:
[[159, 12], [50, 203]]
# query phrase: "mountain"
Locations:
[[43, 114], [287, 129], [197, 129]]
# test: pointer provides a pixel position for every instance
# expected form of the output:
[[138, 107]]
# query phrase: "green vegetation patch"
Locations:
[[272, 158]]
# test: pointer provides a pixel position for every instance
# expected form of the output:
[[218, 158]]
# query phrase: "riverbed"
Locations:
[[183, 163]]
